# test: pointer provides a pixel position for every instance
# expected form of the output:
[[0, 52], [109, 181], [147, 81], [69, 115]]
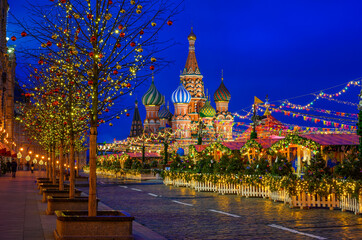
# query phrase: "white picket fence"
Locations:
[[347, 203], [303, 201]]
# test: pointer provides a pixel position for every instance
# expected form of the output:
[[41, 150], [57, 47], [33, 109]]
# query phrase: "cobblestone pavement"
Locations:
[[182, 213]]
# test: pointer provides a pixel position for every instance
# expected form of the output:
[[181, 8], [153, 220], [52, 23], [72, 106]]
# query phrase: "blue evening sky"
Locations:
[[278, 47]]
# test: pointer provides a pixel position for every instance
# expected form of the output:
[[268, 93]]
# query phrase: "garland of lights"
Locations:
[[216, 146], [287, 104], [339, 101], [328, 96], [250, 144], [294, 186], [315, 120], [294, 139]]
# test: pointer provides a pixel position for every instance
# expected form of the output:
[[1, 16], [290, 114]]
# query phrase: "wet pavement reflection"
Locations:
[[183, 213]]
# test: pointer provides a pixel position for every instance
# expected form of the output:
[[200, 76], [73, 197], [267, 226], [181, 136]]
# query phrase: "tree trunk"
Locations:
[[166, 153], [72, 174], [47, 167], [143, 152], [77, 159], [92, 199], [54, 165], [61, 167]]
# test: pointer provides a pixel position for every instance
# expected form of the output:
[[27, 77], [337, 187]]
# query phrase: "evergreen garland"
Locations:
[[251, 143], [294, 139]]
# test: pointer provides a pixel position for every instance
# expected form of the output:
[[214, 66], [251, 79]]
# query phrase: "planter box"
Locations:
[[58, 193], [42, 178], [52, 187], [113, 225], [65, 203], [81, 179], [46, 183]]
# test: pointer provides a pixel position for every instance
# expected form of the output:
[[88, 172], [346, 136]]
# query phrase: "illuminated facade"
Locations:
[[191, 106]]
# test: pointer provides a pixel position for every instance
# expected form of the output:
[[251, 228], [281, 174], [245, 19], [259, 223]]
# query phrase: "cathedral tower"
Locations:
[[191, 79], [181, 121], [165, 117], [223, 118], [136, 127], [152, 100]]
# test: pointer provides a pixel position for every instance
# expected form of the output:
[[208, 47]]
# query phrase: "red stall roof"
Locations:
[[334, 139]]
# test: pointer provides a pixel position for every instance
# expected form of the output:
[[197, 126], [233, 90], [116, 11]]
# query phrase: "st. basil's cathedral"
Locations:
[[193, 109]]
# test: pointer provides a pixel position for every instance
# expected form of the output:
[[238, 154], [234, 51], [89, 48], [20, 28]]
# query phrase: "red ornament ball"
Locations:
[[119, 45], [89, 16], [127, 114], [120, 27], [169, 22], [49, 43], [115, 72], [133, 44], [152, 67], [122, 34], [13, 38], [142, 32], [110, 2], [24, 34]]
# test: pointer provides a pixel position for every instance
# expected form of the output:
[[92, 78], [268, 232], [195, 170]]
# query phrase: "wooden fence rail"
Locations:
[[303, 201]]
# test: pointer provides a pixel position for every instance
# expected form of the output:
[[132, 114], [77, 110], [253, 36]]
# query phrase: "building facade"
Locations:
[[192, 108]]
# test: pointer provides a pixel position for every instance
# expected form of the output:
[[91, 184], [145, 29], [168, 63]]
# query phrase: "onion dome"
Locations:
[[153, 96], [222, 94], [191, 36], [164, 113], [181, 95], [207, 110]]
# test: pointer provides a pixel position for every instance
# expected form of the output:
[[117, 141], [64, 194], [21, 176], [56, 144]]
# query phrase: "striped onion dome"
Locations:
[[164, 113], [207, 110], [181, 95], [153, 96], [222, 94]]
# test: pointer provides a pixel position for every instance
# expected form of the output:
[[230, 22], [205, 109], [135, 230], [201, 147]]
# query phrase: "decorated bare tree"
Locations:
[[103, 49]]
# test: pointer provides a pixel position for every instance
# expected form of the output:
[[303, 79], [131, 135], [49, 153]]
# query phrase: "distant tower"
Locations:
[[181, 121], [136, 127], [207, 114], [165, 117], [191, 78], [152, 101], [223, 119]]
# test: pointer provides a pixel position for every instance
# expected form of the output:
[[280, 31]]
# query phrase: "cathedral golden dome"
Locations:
[[191, 36]]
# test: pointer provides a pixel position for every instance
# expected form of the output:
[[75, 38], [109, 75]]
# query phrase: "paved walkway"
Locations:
[[19, 212], [22, 215]]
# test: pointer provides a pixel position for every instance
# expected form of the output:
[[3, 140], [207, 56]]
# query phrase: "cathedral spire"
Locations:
[[136, 127], [191, 66]]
